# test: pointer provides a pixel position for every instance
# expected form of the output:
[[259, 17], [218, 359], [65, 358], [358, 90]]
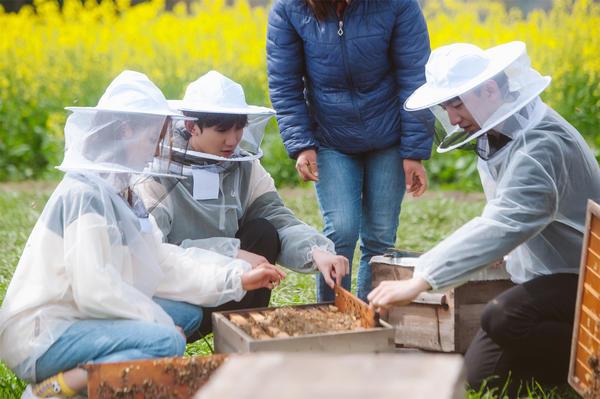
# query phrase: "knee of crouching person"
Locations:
[[494, 319]]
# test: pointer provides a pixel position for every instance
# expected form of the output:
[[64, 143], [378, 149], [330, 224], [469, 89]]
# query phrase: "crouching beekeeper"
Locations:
[[95, 283], [537, 174]]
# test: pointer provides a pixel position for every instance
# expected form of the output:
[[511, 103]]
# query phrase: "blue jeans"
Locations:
[[359, 196], [105, 340]]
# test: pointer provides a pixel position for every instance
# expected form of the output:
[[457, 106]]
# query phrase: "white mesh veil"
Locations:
[[214, 93], [497, 87]]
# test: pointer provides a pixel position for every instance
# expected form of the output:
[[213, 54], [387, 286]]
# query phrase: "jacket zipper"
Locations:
[[340, 33]]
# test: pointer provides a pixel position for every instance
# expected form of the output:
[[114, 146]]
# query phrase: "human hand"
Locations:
[[306, 165], [264, 275], [252, 258], [415, 177], [331, 266], [397, 292]]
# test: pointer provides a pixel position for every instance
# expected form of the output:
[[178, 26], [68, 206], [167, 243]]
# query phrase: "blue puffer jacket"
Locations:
[[342, 84]]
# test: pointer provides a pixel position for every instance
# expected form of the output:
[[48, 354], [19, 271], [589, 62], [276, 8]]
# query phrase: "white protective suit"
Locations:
[[536, 185], [93, 256]]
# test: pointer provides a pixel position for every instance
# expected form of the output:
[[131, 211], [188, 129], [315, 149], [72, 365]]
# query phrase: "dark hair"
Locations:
[[501, 80], [221, 121], [321, 8]]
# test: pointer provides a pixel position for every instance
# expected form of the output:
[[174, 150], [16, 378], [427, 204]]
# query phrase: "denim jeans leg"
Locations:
[[110, 340], [339, 195], [184, 315], [383, 190]]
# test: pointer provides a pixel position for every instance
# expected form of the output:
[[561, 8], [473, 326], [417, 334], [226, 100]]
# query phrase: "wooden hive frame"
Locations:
[[584, 367], [375, 336], [166, 378]]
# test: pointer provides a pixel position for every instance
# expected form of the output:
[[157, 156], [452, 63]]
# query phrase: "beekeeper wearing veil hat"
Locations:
[[537, 173], [229, 202], [95, 283]]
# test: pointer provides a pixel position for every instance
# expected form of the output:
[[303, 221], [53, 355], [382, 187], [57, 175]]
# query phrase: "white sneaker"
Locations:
[[28, 394]]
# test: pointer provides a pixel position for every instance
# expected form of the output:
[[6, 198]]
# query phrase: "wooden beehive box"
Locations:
[[445, 322], [371, 336], [331, 376], [175, 377], [584, 368]]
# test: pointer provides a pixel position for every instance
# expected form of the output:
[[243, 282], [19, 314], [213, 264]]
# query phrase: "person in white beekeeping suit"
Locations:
[[537, 173], [229, 202], [95, 283]]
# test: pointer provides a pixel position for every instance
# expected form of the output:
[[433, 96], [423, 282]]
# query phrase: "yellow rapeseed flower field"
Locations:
[[51, 58]]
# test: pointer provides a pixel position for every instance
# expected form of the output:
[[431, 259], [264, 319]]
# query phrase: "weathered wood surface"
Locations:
[[584, 368], [495, 271], [326, 376], [445, 322], [177, 377], [423, 327], [229, 338]]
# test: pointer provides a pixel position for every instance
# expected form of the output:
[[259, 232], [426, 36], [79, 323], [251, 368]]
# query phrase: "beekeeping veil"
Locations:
[[214, 93], [93, 253], [117, 139], [466, 72]]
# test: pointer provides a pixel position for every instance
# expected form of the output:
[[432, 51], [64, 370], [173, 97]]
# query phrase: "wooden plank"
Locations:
[[326, 376], [361, 341], [428, 298], [423, 326], [382, 272], [228, 338], [494, 271]]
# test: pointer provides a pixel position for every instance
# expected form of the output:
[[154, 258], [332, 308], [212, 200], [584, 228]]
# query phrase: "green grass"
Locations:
[[423, 223]]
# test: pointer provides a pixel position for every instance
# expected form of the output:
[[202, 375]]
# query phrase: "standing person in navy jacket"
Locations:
[[339, 72]]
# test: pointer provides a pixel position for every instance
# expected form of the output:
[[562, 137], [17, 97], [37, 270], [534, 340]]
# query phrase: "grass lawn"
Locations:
[[423, 223]]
